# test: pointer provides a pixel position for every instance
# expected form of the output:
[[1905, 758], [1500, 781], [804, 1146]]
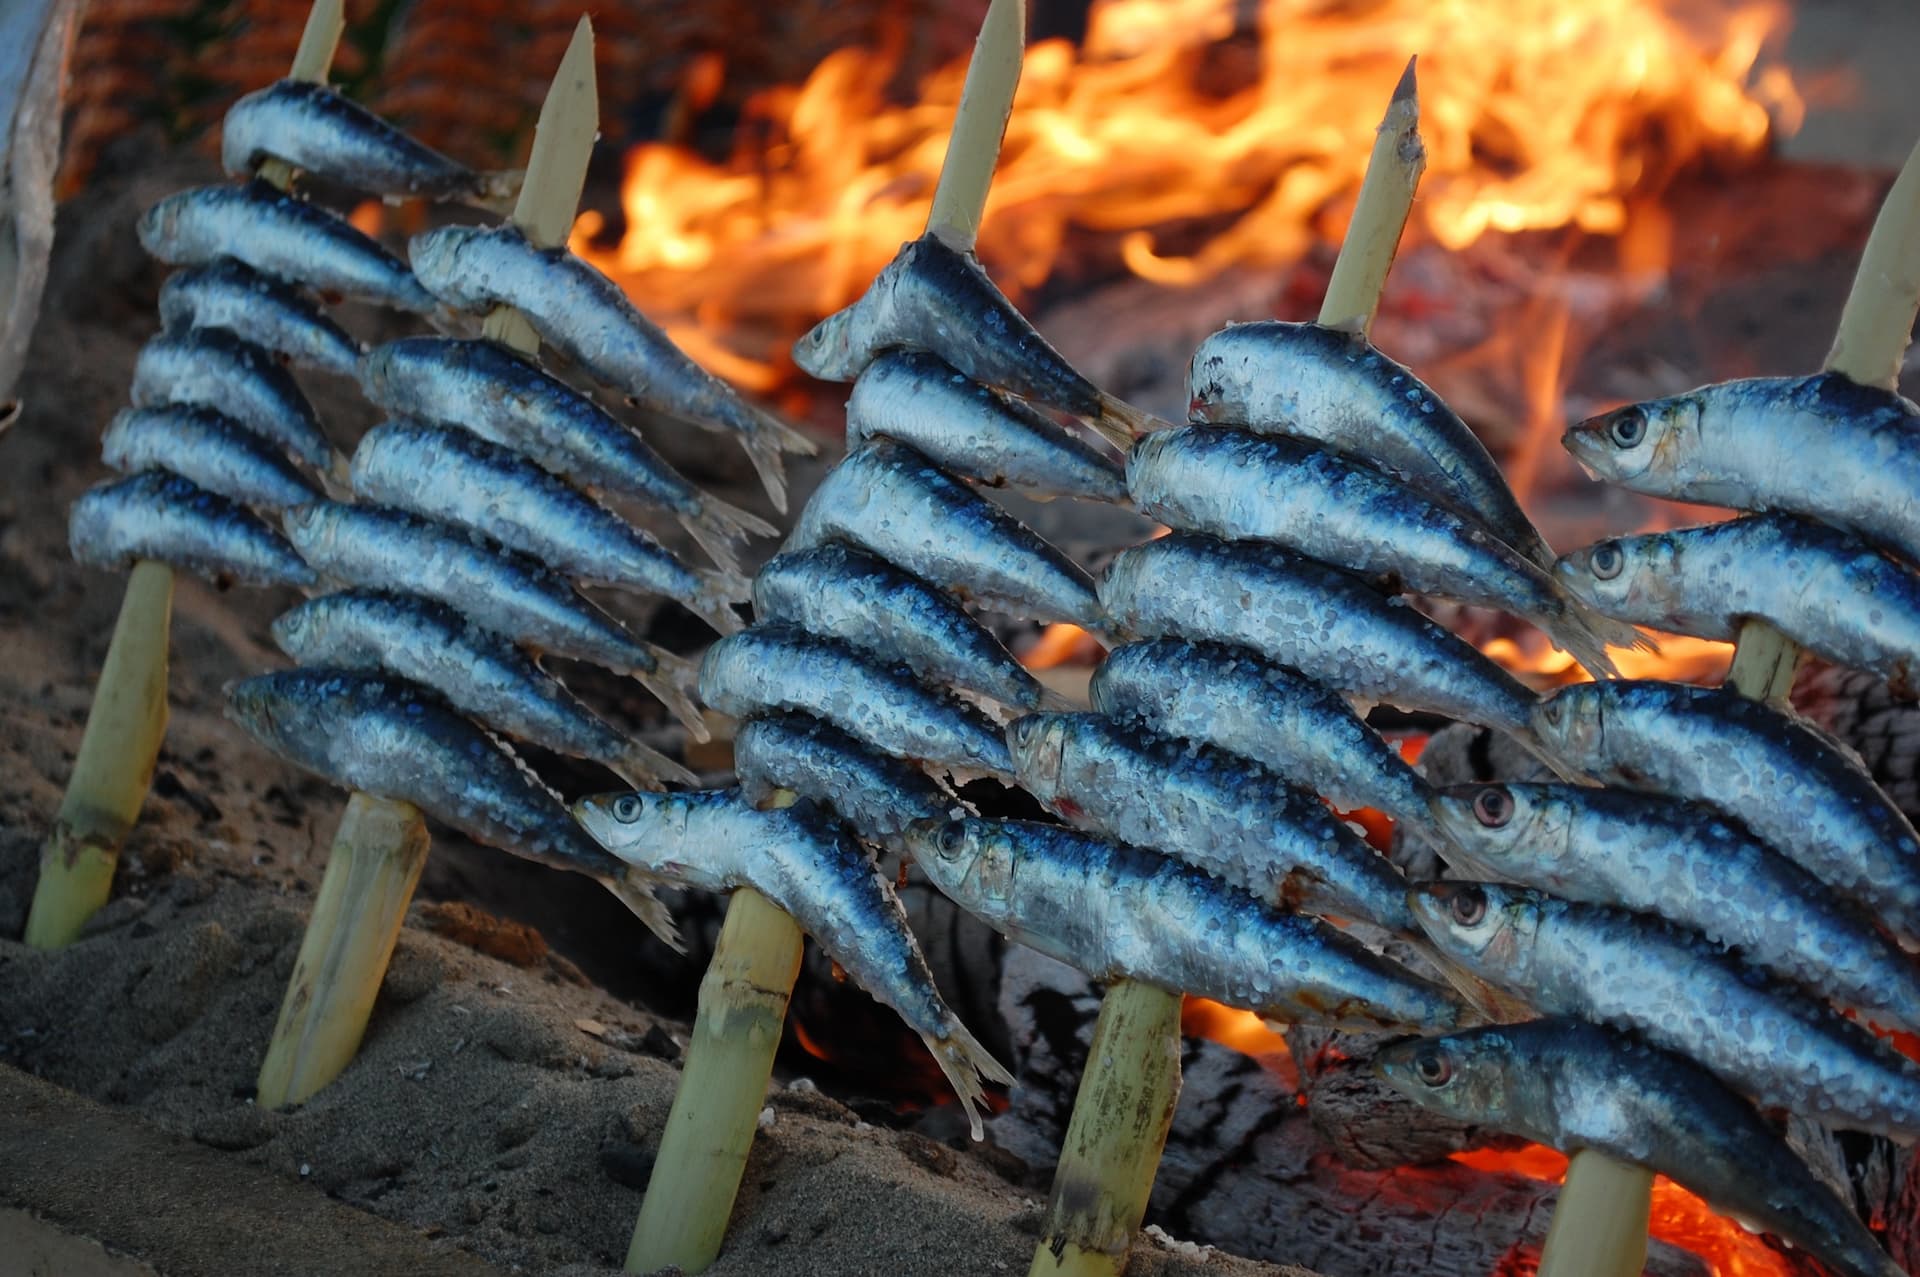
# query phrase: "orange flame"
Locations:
[[1062, 643], [1680, 658]]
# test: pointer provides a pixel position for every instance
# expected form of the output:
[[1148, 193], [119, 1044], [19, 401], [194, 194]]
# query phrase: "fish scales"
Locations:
[[1767, 1039], [217, 369], [1575, 1086], [1795, 788], [889, 613], [1327, 624], [776, 667], [1119, 912], [587, 317], [1230, 483], [1743, 444], [478, 672], [1219, 813], [390, 739], [974, 430], [1827, 590], [449, 474], [211, 449], [227, 293], [876, 795], [1688, 864], [1336, 388], [281, 236], [163, 517], [502, 396], [888, 499], [816, 871]]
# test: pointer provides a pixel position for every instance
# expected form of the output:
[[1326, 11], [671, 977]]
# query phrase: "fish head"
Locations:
[[645, 830], [1038, 743], [1504, 830], [1570, 724], [435, 259], [1462, 1075], [1628, 578], [305, 524], [158, 225], [826, 350], [969, 860], [295, 713], [374, 372], [298, 628], [1221, 378], [1487, 927], [1636, 445]]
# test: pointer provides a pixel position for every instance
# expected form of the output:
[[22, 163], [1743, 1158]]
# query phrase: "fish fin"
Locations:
[[673, 680], [645, 767], [498, 191], [713, 601], [964, 1061], [720, 529], [1120, 423], [636, 893]]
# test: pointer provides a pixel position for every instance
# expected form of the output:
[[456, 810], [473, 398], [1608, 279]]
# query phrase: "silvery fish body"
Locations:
[[1114, 911], [1231, 699], [281, 236], [387, 738], [933, 298], [975, 430], [876, 795], [479, 672], [894, 616], [1233, 484], [1767, 1039], [585, 316], [210, 448], [888, 499], [816, 871], [1687, 864], [163, 517], [777, 667], [213, 368], [1335, 388], [501, 590], [1825, 589], [1744, 444], [1216, 812], [1575, 1086], [445, 473], [1297, 612], [313, 128], [227, 293], [505, 397], [1799, 791]]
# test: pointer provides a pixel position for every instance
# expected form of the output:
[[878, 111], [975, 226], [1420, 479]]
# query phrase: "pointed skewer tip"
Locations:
[[1408, 89]]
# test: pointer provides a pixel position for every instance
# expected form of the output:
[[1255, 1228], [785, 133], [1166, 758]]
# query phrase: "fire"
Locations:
[[1537, 114], [1062, 643], [1680, 658], [1242, 1030]]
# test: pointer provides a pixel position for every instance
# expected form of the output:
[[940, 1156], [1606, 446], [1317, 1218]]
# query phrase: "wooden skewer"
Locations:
[[980, 125], [1379, 213]]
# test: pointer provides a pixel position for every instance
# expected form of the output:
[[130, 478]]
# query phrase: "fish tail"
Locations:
[[720, 529], [1120, 423], [769, 462], [645, 767], [636, 893], [673, 680], [1574, 631], [499, 190], [964, 1061], [715, 596]]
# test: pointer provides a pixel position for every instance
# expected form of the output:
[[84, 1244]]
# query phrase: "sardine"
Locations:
[[933, 298], [503, 396], [1744, 443], [1230, 483], [1229, 698], [480, 674], [210, 448], [888, 499], [445, 473], [1575, 1086], [1766, 1039], [974, 430], [585, 316], [227, 293], [1825, 589], [1335, 388], [1221, 814], [1330, 626], [777, 667], [499, 589], [1686, 864], [318, 131], [1782, 778], [1114, 911], [816, 871], [390, 739], [893, 615], [213, 368], [171, 520], [878, 796], [281, 236]]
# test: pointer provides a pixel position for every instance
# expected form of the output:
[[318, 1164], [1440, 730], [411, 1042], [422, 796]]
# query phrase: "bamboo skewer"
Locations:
[[979, 125], [1379, 213], [377, 857]]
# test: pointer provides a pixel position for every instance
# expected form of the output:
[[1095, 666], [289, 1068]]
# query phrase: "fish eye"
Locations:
[[626, 809], [1432, 1066], [1628, 428], [1552, 710], [1606, 560], [1469, 906], [1493, 806], [951, 839]]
